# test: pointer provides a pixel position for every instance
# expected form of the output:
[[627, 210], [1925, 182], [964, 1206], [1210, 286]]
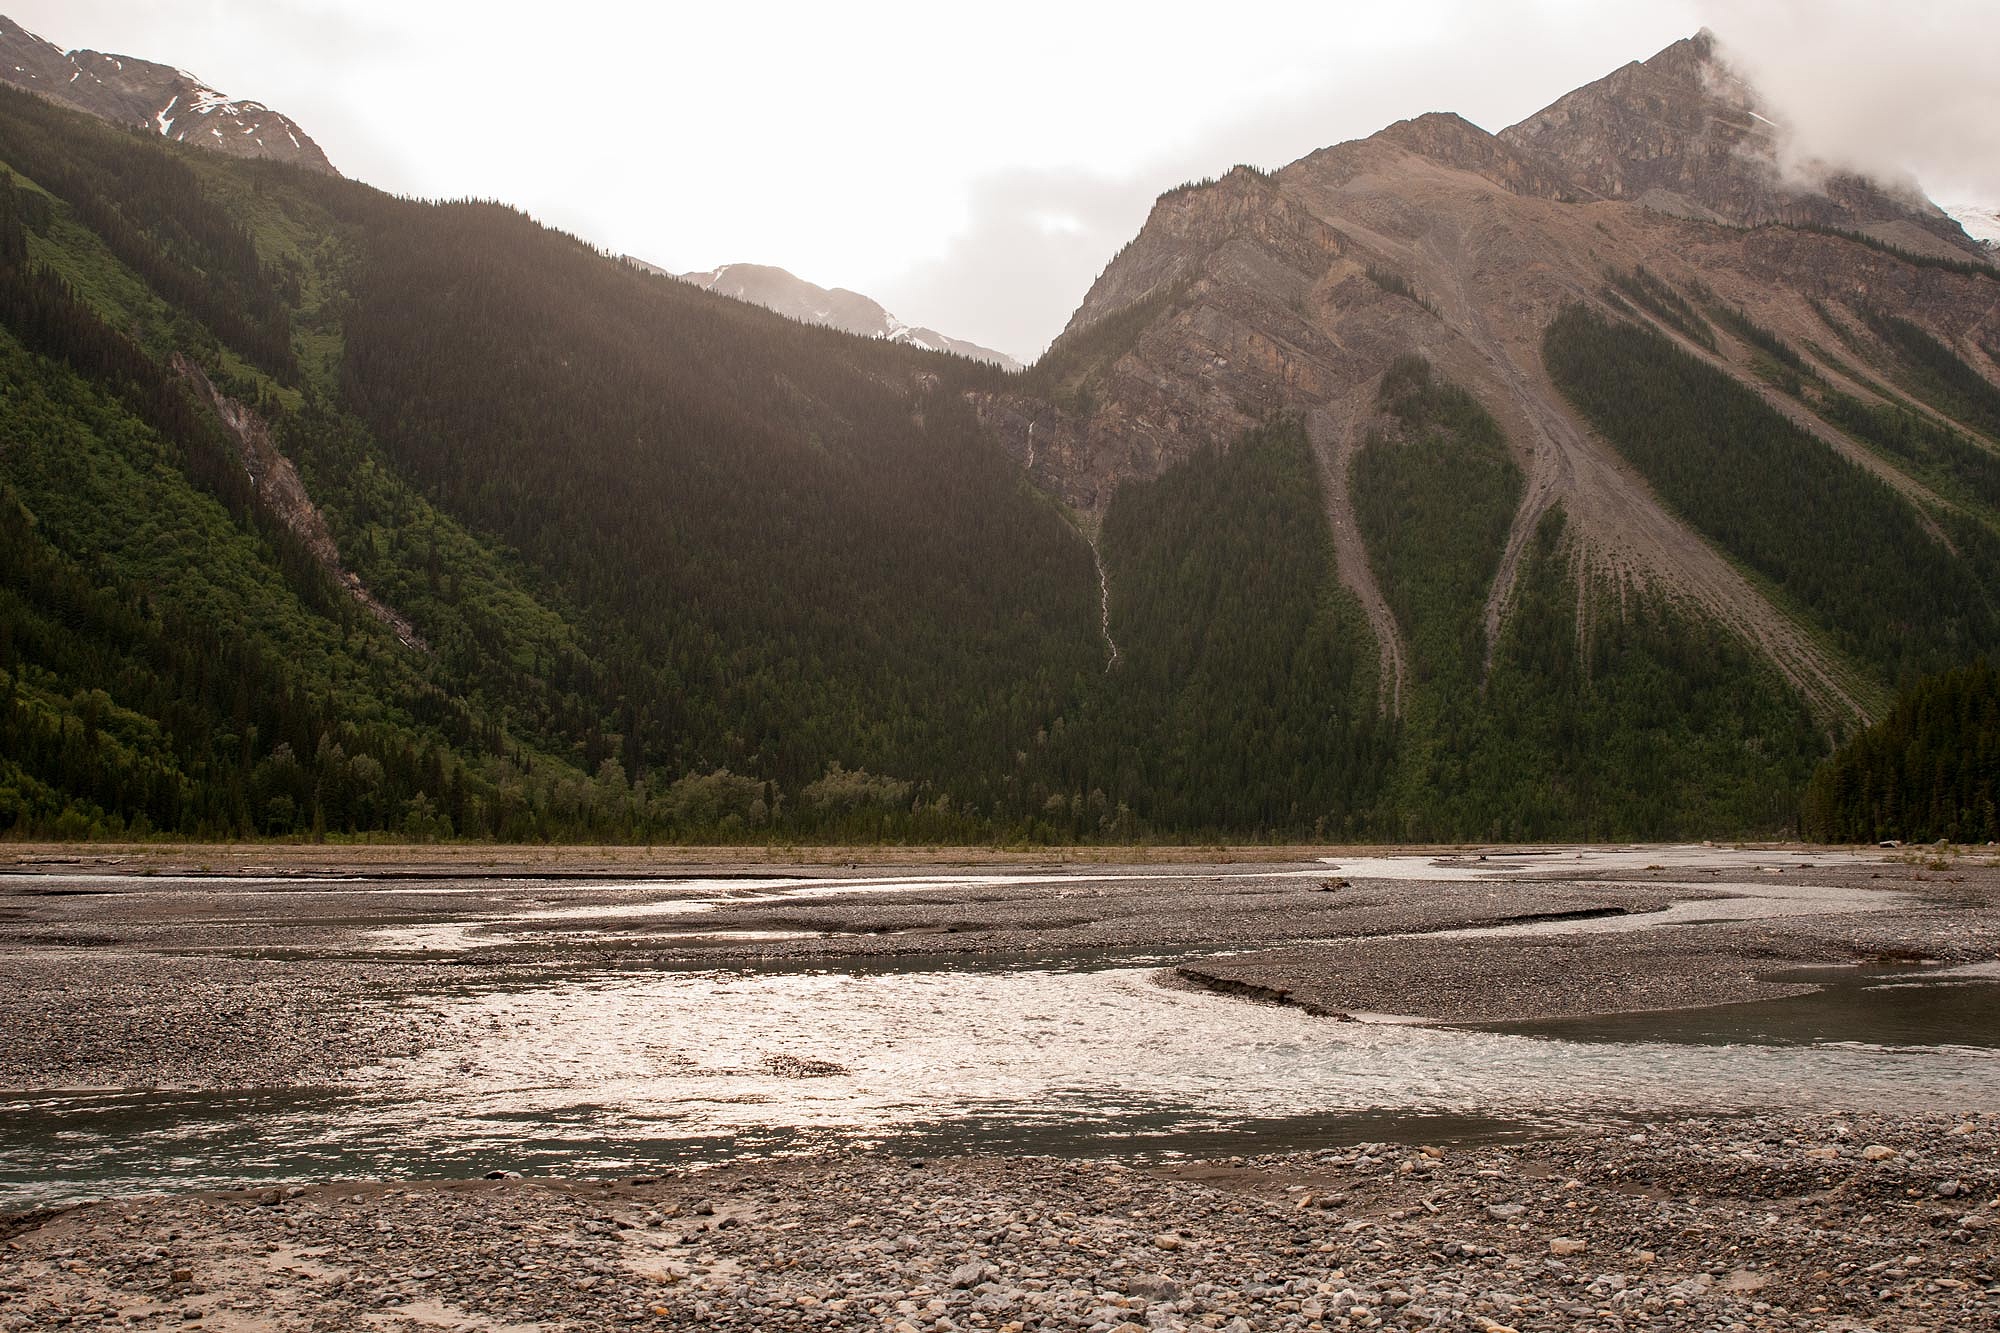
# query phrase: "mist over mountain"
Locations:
[[1591, 479]]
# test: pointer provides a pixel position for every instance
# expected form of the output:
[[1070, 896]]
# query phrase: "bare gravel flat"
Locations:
[[228, 968], [1756, 1223]]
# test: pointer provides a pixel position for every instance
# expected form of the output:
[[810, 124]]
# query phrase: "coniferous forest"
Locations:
[[666, 566], [1930, 770]]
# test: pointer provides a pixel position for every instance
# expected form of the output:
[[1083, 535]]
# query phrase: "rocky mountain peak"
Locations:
[[1683, 133], [1242, 212], [172, 102]]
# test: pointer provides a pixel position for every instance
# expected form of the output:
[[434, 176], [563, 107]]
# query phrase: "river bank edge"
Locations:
[[492, 859]]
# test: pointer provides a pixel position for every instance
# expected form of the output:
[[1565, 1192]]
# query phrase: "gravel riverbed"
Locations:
[[119, 975], [1746, 1223]]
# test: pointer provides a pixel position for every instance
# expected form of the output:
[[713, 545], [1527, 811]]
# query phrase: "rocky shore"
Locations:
[[1748, 1223]]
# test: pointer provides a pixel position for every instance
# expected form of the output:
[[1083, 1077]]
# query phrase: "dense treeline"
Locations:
[[1612, 711], [1602, 711], [1243, 698], [162, 679], [1839, 542], [515, 661], [1934, 450], [41, 310], [792, 547], [1435, 547], [149, 208], [1434, 496], [1928, 770], [1938, 375]]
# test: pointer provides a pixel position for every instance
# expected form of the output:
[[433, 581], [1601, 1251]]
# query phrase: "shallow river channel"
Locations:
[[622, 1069]]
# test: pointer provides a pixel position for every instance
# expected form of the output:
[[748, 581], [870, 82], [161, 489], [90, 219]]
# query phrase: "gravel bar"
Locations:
[[1748, 1223]]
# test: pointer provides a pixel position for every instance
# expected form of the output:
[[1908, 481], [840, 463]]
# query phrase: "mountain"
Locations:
[[130, 91], [1981, 223], [324, 510], [1683, 134], [1590, 480], [1731, 409], [851, 312]]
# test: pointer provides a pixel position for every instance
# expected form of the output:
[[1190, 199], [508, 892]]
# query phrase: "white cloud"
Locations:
[[1887, 91]]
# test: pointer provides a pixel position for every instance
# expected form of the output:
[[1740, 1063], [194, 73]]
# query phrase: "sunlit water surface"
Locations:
[[624, 1071], [618, 1073]]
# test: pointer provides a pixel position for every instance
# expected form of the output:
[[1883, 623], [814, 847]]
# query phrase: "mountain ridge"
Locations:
[[836, 307], [1427, 488], [1294, 290], [143, 93]]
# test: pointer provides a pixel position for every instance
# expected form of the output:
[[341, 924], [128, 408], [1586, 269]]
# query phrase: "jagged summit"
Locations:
[[837, 307], [173, 102], [1683, 133]]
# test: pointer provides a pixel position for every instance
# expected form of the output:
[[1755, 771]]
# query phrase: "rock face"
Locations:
[[1682, 134], [836, 307], [151, 96], [1293, 291], [283, 494]]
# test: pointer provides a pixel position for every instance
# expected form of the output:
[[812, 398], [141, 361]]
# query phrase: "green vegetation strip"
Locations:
[[1852, 552]]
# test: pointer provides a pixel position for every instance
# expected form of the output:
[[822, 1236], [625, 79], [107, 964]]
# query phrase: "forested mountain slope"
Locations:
[[1929, 770], [1442, 485], [1724, 407], [637, 530]]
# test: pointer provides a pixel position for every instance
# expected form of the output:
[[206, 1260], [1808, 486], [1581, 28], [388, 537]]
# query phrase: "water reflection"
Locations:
[[608, 1073], [1889, 1006]]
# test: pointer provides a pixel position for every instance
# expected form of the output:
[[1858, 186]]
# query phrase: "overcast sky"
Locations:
[[974, 167]]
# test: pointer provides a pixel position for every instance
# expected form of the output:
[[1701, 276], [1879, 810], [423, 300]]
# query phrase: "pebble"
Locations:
[[1684, 1233]]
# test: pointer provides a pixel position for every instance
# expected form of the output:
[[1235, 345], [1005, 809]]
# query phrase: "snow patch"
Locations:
[[165, 121], [1981, 221], [207, 101]]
